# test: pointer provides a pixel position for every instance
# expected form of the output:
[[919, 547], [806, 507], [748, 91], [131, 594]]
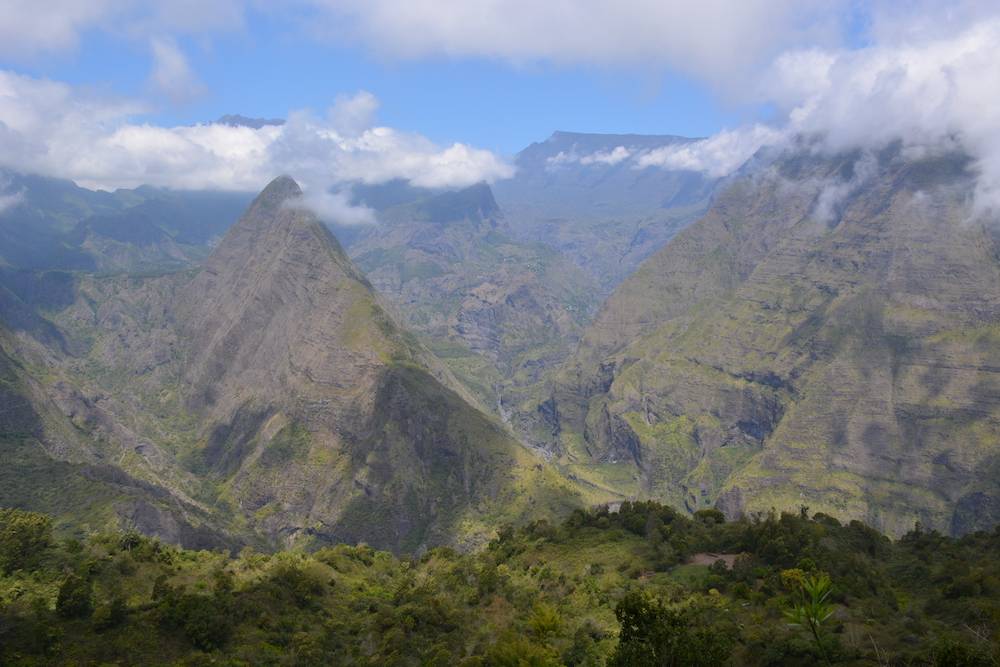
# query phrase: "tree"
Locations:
[[813, 608], [24, 537], [654, 635], [111, 614], [76, 597]]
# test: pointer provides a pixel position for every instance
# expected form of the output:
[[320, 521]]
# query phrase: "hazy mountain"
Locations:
[[54, 224], [824, 336], [238, 120], [497, 310], [582, 195]]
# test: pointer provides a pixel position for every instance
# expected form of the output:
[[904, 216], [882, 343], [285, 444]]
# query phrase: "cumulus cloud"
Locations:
[[353, 114], [612, 157], [51, 128], [27, 29], [929, 81], [10, 200], [833, 195], [335, 207], [934, 93], [715, 156]]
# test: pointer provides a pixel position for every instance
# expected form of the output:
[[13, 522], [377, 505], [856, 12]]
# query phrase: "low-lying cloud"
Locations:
[[716, 156], [51, 128], [10, 200], [934, 94], [608, 158]]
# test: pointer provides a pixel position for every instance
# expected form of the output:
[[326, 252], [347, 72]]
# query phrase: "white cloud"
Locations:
[[171, 75], [51, 128], [716, 39], [353, 114], [834, 194], [609, 158], [10, 200], [717, 155], [931, 82], [27, 28], [335, 207], [933, 93]]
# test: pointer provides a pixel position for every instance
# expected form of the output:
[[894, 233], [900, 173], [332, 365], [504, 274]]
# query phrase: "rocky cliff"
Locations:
[[824, 336]]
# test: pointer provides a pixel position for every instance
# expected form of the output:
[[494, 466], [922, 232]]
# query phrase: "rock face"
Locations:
[[826, 335], [272, 389]]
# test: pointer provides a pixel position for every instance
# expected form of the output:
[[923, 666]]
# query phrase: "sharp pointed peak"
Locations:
[[273, 197], [281, 188]]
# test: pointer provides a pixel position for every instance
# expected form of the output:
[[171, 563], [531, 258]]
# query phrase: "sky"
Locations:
[[116, 93]]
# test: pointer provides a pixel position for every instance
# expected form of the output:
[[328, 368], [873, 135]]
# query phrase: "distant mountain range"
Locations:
[[54, 224], [813, 330], [579, 194]]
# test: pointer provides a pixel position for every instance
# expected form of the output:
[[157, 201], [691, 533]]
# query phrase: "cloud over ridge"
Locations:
[[51, 128]]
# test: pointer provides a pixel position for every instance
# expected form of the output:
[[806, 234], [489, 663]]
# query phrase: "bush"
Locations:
[[951, 653], [111, 614], [654, 635], [24, 537], [76, 597], [204, 621]]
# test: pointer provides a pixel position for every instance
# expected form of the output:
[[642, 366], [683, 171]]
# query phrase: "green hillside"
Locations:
[[640, 586]]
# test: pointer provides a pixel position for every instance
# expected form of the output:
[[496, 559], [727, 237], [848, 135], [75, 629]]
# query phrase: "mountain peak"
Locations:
[[239, 120], [281, 188], [274, 196]]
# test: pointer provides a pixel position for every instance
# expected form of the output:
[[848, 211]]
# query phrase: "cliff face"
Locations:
[[824, 336]]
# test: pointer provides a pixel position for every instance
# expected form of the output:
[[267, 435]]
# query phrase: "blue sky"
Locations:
[[269, 68]]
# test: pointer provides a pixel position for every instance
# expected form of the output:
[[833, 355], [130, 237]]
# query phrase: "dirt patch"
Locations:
[[707, 558]]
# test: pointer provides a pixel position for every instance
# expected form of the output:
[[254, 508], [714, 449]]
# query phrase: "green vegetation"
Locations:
[[642, 586]]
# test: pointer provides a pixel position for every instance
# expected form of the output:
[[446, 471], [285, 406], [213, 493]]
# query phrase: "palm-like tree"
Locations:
[[813, 608]]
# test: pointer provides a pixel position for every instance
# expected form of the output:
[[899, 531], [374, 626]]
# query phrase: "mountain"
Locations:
[[824, 336], [238, 120], [497, 310], [583, 195], [51, 223], [271, 390], [51, 465]]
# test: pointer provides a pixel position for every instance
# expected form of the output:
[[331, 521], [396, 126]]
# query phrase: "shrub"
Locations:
[[76, 597], [24, 537], [654, 635]]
